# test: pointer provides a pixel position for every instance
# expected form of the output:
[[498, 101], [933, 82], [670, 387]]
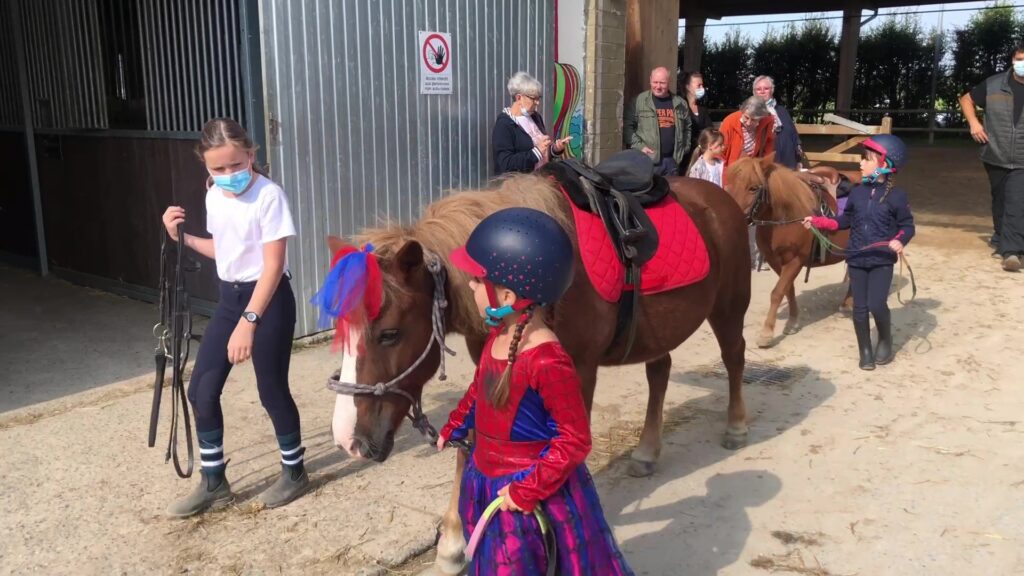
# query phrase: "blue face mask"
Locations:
[[236, 183], [699, 93], [1018, 67]]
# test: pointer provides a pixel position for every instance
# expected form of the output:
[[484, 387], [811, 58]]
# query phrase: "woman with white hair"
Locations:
[[749, 131], [788, 150], [519, 141]]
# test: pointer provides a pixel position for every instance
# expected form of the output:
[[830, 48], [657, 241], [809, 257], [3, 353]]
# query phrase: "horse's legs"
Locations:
[[793, 323], [649, 449], [588, 383], [787, 275], [451, 543], [727, 324], [847, 305]]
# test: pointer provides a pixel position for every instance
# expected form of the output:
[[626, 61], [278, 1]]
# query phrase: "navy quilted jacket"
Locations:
[[871, 220]]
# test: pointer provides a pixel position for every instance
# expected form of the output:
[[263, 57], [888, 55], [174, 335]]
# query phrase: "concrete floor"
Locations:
[[58, 339]]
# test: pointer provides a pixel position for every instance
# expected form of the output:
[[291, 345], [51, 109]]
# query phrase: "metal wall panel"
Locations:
[[64, 57], [10, 100], [350, 138], [191, 62]]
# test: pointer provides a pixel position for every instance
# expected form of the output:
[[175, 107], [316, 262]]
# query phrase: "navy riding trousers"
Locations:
[[271, 356], [870, 288]]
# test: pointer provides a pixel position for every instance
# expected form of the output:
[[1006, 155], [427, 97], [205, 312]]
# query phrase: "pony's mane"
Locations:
[[447, 223], [790, 196]]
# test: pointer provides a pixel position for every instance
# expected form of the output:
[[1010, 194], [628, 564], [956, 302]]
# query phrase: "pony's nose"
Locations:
[[386, 447], [377, 452], [356, 449]]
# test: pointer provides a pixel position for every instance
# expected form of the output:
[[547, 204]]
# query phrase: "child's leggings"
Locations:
[[870, 287], [271, 356]]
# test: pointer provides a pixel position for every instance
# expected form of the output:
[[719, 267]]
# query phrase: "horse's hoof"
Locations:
[[765, 341], [734, 440], [640, 469], [449, 566], [791, 329], [451, 558]]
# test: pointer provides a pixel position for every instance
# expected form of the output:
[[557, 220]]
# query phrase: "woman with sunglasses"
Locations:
[[519, 141]]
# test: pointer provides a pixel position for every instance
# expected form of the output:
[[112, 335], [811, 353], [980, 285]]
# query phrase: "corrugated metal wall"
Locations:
[[350, 138], [192, 62], [10, 99], [65, 71]]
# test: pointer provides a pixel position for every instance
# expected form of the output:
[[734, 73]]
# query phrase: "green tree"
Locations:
[[726, 70], [982, 48], [894, 68], [803, 62]]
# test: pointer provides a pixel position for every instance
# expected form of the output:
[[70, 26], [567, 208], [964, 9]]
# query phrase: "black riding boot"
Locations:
[[884, 352], [867, 356]]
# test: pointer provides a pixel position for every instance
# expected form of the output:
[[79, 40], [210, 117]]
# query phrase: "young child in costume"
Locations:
[[878, 216], [532, 432]]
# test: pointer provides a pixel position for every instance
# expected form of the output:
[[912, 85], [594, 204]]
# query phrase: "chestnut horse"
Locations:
[[402, 345], [776, 199]]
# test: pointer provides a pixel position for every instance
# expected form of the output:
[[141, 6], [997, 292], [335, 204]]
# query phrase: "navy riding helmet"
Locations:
[[523, 249], [892, 149]]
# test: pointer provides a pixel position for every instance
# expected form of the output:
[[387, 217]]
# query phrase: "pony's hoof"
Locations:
[[765, 341], [640, 469], [734, 440], [789, 330], [451, 558]]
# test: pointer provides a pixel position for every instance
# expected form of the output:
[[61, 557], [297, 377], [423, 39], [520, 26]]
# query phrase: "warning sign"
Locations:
[[435, 56]]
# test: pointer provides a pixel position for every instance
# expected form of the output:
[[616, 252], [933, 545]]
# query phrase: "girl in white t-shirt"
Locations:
[[706, 163], [248, 218]]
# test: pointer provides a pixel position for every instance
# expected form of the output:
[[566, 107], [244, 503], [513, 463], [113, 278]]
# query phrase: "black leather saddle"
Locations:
[[618, 190]]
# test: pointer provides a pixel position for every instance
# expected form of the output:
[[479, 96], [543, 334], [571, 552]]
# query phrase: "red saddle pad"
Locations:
[[681, 258]]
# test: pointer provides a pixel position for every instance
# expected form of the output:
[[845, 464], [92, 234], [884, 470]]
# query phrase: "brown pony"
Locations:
[[398, 347], [775, 200]]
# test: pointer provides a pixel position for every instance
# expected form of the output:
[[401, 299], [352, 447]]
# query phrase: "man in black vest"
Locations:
[[1002, 136]]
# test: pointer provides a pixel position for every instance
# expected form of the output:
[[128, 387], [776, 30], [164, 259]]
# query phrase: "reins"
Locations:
[[550, 544], [175, 325], [846, 253]]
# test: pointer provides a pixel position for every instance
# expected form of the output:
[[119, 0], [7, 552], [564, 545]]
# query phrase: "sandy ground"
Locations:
[[912, 469]]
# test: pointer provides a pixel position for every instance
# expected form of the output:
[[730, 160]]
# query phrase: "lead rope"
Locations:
[[550, 544], [837, 250]]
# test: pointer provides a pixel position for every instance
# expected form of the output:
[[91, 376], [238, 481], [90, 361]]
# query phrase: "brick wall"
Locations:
[[605, 77]]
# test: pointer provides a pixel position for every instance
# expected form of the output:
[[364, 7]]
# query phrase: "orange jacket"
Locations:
[[732, 130]]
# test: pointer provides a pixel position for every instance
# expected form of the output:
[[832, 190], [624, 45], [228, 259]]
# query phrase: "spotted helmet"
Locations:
[[523, 249]]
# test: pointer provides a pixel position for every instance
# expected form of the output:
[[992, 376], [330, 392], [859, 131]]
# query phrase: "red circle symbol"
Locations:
[[436, 54]]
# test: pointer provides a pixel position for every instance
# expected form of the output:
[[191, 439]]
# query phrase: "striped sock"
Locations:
[[292, 450], [211, 452]]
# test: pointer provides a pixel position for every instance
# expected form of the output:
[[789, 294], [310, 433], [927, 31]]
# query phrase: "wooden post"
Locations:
[[848, 58], [636, 73], [652, 31], [693, 43]]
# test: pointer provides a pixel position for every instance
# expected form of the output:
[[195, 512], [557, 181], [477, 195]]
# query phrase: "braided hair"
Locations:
[[498, 395], [888, 187]]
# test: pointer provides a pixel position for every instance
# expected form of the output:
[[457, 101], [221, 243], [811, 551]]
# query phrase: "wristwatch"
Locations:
[[251, 317]]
